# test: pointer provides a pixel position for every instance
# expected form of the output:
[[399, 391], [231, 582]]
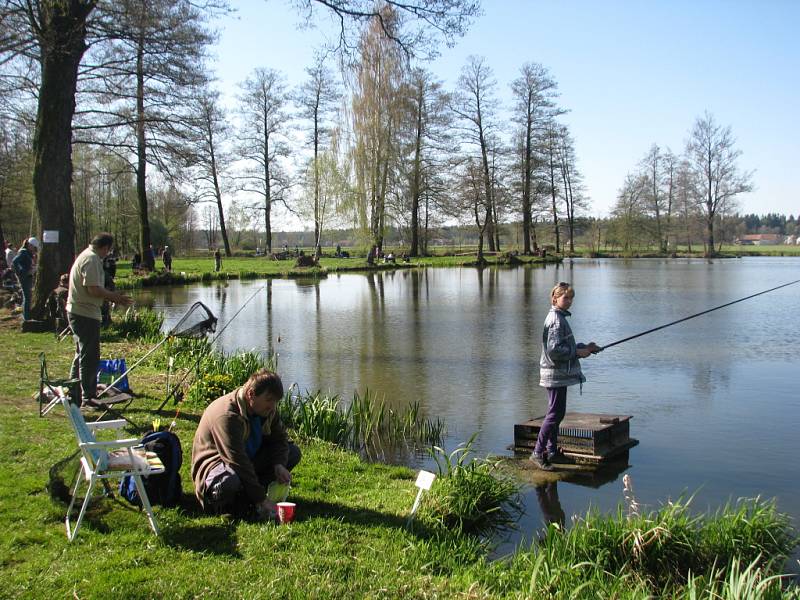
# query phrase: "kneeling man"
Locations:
[[240, 447]]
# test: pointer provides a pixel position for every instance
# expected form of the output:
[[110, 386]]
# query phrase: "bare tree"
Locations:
[[669, 181], [652, 165], [476, 105], [534, 97], [428, 122], [550, 145], [712, 158], [427, 20], [207, 158], [262, 140], [629, 209], [317, 98], [571, 181]]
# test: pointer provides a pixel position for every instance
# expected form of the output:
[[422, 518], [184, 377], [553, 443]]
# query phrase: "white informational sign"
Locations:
[[425, 480], [50, 236]]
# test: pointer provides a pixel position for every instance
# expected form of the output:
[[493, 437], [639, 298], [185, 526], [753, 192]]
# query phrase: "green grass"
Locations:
[[350, 538]]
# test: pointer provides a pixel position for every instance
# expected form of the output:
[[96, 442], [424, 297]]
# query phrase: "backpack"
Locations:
[[163, 489]]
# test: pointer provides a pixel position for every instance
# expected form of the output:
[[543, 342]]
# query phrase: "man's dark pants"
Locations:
[[224, 491], [86, 333], [26, 285]]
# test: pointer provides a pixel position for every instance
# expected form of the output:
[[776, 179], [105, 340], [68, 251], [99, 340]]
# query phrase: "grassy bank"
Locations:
[[350, 538]]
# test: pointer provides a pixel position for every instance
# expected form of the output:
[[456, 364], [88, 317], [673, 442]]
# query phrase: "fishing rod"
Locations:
[[633, 337], [175, 391]]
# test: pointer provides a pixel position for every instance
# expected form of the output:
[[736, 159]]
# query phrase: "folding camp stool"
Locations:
[[51, 390]]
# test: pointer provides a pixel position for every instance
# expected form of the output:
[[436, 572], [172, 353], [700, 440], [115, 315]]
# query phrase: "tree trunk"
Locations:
[[141, 161], [317, 216], [62, 39], [218, 196], [710, 234], [267, 186], [415, 183], [526, 188]]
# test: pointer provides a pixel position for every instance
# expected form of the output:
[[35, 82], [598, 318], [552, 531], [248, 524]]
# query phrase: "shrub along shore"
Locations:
[[350, 538], [200, 269]]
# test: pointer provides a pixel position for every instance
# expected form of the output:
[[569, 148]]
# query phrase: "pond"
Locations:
[[715, 400]]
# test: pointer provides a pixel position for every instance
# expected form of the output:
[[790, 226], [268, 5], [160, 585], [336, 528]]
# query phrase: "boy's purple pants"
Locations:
[[547, 442]]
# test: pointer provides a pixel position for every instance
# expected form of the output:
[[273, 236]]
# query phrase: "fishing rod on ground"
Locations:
[[175, 393], [633, 337]]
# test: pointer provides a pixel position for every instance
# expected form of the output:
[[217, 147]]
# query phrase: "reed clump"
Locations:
[[736, 552], [366, 424], [471, 495], [142, 324], [219, 373]]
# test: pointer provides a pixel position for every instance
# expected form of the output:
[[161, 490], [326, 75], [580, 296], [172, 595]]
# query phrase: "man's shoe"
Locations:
[[558, 457], [541, 461]]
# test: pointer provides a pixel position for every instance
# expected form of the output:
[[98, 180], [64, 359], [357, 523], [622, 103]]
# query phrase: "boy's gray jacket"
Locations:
[[559, 365]]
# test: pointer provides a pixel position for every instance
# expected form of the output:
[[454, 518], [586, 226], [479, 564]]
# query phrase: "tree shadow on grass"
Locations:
[[217, 538], [355, 515]]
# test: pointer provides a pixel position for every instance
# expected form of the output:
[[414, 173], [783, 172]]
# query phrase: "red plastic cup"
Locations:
[[286, 512]]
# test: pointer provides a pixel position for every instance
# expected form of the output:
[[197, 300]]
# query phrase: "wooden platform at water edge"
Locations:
[[586, 439]]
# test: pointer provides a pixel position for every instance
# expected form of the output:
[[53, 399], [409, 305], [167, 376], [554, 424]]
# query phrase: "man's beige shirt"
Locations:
[[86, 271]]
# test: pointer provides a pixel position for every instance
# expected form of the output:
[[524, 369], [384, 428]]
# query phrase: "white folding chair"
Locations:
[[102, 460]]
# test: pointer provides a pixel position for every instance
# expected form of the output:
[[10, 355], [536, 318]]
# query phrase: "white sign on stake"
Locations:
[[50, 236], [424, 482]]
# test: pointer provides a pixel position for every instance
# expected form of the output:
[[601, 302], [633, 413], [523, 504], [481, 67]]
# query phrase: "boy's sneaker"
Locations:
[[541, 461], [558, 457]]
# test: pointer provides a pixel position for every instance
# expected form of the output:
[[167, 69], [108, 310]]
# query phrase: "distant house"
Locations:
[[791, 240], [760, 239]]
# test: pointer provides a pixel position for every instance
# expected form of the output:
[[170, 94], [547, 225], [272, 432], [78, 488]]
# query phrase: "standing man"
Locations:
[[84, 310], [240, 446], [166, 256], [217, 260], [23, 267]]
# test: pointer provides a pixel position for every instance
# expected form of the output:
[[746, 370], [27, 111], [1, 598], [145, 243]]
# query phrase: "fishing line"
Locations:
[[627, 339], [174, 392]]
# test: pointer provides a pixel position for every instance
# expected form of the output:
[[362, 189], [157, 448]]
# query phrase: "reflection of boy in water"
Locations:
[[547, 495]]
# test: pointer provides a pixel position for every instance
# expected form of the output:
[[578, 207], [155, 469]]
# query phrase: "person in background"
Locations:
[[10, 255], [166, 256], [57, 303], [559, 368], [240, 446], [84, 310], [110, 272], [217, 260], [23, 265]]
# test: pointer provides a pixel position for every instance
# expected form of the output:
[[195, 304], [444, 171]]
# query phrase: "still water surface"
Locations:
[[715, 400]]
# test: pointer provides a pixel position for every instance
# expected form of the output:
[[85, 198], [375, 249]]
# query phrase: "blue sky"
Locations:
[[631, 73]]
